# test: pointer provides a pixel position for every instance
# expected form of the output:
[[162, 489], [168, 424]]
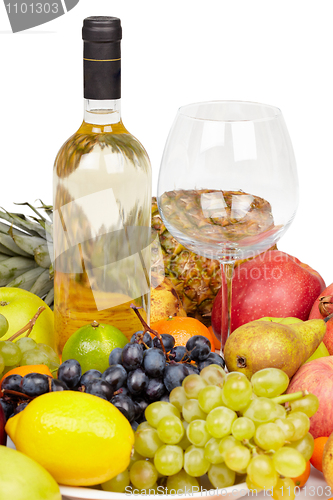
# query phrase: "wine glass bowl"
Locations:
[[223, 225], [228, 186]]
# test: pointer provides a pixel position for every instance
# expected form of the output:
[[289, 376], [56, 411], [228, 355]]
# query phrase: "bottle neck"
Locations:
[[102, 112], [102, 71]]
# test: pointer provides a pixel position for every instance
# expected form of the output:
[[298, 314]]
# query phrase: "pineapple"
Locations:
[[24, 252], [196, 279]]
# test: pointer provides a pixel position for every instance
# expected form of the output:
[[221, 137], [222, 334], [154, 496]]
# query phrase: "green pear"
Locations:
[[21, 478], [320, 352], [283, 321], [268, 344]]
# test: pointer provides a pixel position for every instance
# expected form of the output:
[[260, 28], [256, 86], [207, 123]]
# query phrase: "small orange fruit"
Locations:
[[317, 455], [302, 479], [24, 370], [182, 329], [216, 341]]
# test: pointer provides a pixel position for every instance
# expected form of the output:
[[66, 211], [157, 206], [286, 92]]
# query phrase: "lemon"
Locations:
[[91, 345], [24, 479], [80, 439]]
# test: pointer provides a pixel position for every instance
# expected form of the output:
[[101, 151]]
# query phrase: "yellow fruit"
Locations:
[[80, 439], [327, 461], [91, 345], [19, 306], [320, 352], [164, 300], [24, 479]]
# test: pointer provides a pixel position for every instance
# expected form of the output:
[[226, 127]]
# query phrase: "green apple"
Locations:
[[320, 352], [283, 321], [21, 478], [19, 306]]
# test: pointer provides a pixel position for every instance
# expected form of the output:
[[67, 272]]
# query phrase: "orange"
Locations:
[[302, 479], [216, 341], [317, 455], [23, 370], [182, 329]]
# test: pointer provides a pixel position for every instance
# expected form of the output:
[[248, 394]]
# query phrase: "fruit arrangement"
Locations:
[[221, 426], [183, 417]]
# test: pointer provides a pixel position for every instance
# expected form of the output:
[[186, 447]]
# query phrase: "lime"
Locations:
[[80, 439], [91, 345]]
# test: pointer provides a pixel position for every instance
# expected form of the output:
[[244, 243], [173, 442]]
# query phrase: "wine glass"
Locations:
[[228, 186]]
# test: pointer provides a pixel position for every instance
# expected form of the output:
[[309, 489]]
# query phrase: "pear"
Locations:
[[320, 352], [21, 478], [267, 344], [311, 334]]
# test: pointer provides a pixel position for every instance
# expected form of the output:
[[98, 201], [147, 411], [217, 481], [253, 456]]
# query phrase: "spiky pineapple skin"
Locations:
[[196, 279]]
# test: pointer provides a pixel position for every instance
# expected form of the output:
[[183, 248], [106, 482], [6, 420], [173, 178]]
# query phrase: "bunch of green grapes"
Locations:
[[225, 428], [24, 351]]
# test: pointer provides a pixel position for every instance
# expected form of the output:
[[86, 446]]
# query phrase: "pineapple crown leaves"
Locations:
[[23, 223], [25, 252], [48, 209], [34, 209], [41, 220]]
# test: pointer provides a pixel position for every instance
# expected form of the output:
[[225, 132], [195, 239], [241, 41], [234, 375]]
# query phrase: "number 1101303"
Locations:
[[32, 8]]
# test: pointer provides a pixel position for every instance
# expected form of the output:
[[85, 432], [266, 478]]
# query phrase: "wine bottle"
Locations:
[[102, 202]]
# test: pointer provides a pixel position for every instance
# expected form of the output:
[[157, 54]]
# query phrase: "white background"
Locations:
[[175, 52]]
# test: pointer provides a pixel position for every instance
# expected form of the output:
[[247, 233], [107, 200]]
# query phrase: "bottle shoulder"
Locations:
[[108, 128], [114, 138]]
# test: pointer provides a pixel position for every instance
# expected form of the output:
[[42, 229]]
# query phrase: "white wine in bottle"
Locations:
[[102, 203]]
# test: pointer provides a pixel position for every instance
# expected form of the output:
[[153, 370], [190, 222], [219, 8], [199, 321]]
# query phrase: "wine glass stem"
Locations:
[[227, 271]]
